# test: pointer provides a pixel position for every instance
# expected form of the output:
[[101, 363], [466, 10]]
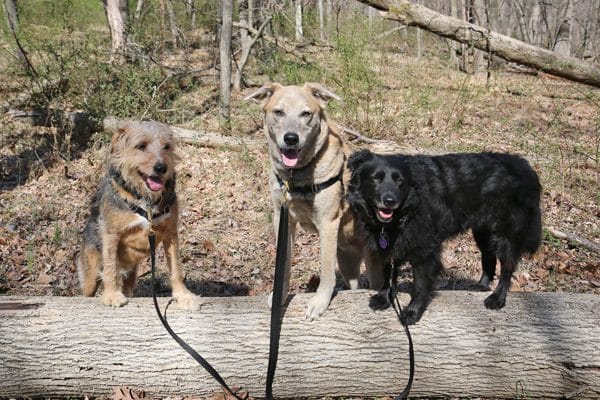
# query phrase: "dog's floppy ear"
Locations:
[[359, 157], [321, 93], [264, 93]]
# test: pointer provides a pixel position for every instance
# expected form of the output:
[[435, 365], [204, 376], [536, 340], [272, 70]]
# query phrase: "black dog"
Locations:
[[407, 206]]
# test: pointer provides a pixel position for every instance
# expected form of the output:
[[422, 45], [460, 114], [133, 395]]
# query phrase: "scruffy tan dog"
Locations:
[[308, 171], [136, 195]]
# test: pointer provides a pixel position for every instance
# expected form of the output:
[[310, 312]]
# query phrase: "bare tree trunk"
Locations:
[[245, 42], [225, 65], [298, 13], [534, 25], [468, 54], [11, 15], [12, 21], [505, 47], [321, 12], [117, 12], [455, 47], [541, 345], [563, 38], [175, 33], [418, 38]]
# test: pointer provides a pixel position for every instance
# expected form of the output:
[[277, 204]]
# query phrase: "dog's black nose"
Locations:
[[389, 201], [291, 138], [160, 168]]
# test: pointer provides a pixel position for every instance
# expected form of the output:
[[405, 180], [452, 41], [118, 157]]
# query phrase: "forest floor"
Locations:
[[226, 233]]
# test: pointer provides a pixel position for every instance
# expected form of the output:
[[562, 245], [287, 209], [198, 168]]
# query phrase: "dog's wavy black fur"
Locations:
[[415, 203]]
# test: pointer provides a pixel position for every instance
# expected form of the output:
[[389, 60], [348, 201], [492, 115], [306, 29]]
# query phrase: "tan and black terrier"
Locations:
[[136, 195]]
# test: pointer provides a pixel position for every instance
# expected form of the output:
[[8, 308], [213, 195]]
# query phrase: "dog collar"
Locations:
[[118, 179], [311, 189], [144, 213]]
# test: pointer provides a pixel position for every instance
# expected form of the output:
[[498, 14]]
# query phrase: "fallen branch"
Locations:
[[577, 240], [200, 138], [544, 344], [481, 38], [358, 136]]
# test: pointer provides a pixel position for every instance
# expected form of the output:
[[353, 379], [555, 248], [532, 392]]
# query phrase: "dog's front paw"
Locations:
[[187, 301], [410, 317], [113, 299], [317, 306], [380, 301], [494, 301]]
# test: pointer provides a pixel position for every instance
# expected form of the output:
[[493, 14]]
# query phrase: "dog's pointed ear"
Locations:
[[321, 93], [357, 158], [264, 93], [118, 137]]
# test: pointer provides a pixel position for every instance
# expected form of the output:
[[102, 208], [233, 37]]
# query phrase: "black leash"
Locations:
[[205, 364], [277, 300], [393, 298]]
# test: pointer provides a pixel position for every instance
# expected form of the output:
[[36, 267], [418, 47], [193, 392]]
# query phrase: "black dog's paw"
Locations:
[[494, 301], [410, 317], [380, 301]]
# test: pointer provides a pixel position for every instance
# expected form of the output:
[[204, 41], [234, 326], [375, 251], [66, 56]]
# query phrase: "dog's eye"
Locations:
[[398, 179], [306, 114], [377, 177], [278, 113], [141, 146]]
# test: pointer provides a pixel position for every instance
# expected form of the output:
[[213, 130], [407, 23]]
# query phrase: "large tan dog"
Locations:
[[309, 154]]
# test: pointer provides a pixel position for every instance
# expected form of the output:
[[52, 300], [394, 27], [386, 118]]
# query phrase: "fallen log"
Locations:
[[541, 345], [505, 47], [200, 138], [82, 124]]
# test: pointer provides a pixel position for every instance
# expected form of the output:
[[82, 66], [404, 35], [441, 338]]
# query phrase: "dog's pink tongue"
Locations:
[[154, 184], [385, 214], [289, 158]]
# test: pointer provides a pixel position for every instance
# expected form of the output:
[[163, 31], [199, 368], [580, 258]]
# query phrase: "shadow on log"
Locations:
[[541, 345]]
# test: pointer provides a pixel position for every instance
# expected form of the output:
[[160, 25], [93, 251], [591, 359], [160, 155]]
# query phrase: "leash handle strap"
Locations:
[[411, 353], [205, 364], [276, 301]]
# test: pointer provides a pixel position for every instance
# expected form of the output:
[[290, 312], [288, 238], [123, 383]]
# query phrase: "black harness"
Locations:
[[311, 189]]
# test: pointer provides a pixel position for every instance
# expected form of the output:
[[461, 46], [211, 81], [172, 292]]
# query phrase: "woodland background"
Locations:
[[67, 65]]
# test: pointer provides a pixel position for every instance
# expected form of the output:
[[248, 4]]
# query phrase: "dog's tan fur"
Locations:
[[323, 155], [115, 239]]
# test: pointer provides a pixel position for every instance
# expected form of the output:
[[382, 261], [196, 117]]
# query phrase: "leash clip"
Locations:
[[151, 231]]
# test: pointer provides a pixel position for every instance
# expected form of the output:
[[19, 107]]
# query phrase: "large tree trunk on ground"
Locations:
[[539, 345], [503, 46]]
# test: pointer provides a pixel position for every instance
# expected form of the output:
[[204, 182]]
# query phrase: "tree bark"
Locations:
[[225, 64], [298, 17], [562, 44], [541, 345], [175, 33], [117, 12], [503, 46]]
